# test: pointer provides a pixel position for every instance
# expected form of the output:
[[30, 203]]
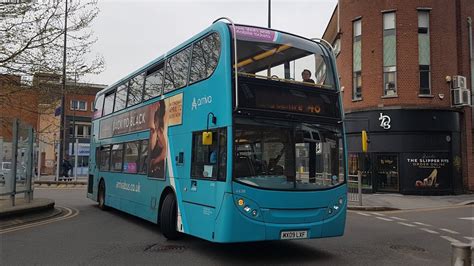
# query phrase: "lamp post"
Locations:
[[269, 13], [62, 136]]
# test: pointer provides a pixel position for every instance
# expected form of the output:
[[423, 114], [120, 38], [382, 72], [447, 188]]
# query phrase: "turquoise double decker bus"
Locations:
[[222, 139]]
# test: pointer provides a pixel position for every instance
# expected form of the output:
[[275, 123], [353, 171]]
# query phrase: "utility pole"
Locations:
[[62, 133]]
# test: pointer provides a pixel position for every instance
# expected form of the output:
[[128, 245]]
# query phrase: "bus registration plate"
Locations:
[[294, 234]]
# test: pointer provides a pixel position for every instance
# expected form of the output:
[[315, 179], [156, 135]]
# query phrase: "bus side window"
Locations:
[[131, 157], [205, 57], [104, 158], [143, 166], [209, 161], [177, 70]]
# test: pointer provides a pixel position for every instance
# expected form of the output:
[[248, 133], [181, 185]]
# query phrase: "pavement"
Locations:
[[388, 202], [22, 206]]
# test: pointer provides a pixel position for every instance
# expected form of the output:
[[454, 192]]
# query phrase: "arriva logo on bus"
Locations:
[[200, 101]]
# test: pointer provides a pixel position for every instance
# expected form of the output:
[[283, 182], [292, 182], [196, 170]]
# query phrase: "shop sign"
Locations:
[[385, 121], [429, 170]]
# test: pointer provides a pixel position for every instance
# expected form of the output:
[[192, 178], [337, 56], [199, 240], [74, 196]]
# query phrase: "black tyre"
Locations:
[[168, 217], [101, 195]]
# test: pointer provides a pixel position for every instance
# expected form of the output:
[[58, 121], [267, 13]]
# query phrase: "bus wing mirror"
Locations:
[[206, 138]]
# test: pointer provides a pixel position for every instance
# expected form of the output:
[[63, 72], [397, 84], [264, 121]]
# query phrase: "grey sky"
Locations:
[[132, 33]]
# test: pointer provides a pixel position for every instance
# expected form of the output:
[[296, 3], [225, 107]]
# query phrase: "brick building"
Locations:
[[402, 66], [38, 104], [79, 99]]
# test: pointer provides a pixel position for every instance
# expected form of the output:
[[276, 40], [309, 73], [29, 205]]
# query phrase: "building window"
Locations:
[[81, 130], [337, 46], [389, 55], [78, 105], [424, 52], [357, 60]]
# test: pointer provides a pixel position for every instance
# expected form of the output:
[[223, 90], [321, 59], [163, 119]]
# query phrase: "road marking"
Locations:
[[378, 214], [398, 218], [405, 224], [450, 239], [429, 231], [430, 209], [418, 223], [449, 231], [467, 218], [70, 214], [385, 219], [363, 214]]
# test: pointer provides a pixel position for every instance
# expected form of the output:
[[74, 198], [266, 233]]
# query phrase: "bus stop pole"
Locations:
[[359, 186], [14, 160], [29, 165], [76, 157]]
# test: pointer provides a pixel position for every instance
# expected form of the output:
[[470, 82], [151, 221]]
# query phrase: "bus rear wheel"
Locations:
[[101, 195], [169, 217]]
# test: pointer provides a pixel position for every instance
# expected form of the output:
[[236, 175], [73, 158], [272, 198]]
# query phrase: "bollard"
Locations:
[[461, 255]]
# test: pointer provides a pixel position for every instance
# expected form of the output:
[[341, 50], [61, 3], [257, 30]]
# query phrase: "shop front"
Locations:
[[409, 151]]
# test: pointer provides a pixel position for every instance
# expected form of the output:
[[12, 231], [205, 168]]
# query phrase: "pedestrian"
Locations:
[[66, 166]]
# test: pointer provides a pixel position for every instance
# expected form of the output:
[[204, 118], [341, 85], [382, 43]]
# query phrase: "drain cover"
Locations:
[[164, 248], [407, 248]]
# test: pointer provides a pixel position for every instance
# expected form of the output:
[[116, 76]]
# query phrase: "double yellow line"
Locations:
[[70, 213]]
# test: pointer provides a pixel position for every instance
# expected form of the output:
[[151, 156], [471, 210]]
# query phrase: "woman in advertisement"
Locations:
[[158, 145]]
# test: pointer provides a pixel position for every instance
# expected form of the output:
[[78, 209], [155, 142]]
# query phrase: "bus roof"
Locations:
[[214, 26], [160, 58]]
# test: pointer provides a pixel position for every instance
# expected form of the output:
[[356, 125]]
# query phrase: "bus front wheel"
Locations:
[[101, 195], [169, 217]]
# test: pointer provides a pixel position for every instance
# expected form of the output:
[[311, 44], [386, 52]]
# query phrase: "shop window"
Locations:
[[209, 161]]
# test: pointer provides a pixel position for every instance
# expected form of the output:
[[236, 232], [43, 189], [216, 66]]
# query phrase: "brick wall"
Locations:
[[449, 56]]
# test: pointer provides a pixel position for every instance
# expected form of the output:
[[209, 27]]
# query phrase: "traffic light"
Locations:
[[365, 141]]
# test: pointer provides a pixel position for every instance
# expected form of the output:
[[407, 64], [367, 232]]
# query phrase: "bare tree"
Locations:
[[31, 37]]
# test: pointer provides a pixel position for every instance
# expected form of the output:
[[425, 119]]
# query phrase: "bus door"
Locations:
[[201, 191]]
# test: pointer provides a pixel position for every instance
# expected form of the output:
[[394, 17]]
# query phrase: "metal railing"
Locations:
[[354, 190]]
